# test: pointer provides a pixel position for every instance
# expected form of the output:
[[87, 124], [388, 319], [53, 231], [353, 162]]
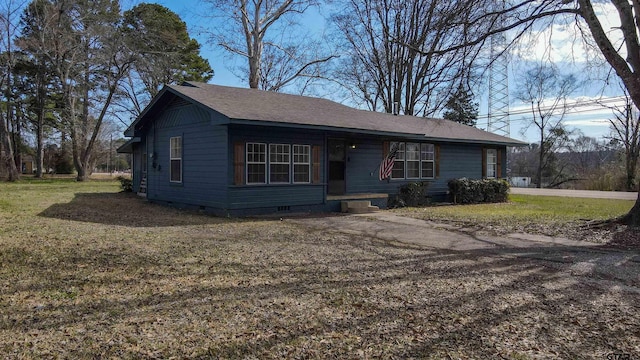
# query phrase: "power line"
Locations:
[[568, 108]]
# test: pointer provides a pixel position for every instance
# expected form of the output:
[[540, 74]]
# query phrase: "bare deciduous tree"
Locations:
[[384, 71], [283, 65], [619, 46], [625, 130], [589, 154], [37, 85], [104, 61], [246, 33], [8, 19], [87, 53], [546, 91]]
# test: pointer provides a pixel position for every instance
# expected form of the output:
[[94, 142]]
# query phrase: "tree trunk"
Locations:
[[82, 173], [39, 156], [79, 136], [633, 217], [41, 96], [8, 161], [40, 143], [540, 161], [631, 174], [255, 66]]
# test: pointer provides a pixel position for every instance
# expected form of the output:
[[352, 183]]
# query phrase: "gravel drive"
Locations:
[[580, 257]]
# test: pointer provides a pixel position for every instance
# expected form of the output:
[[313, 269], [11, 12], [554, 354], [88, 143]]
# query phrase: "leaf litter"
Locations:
[[144, 281]]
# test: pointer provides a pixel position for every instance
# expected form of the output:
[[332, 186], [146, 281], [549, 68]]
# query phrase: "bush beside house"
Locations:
[[411, 194], [468, 191]]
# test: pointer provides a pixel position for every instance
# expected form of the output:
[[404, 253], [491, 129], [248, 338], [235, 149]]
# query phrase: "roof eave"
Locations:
[[127, 147], [390, 134]]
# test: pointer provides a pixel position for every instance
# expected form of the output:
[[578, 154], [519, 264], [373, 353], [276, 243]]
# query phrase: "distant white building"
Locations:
[[520, 181]]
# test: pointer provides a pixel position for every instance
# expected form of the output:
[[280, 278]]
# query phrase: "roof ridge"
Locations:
[[257, 106]]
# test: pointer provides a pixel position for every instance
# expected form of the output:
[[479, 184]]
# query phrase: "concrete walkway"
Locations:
[[573, 257], [389, 227], [619, 195]]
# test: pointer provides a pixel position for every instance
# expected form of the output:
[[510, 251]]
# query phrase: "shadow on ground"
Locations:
[[124, 209], [262, 299]]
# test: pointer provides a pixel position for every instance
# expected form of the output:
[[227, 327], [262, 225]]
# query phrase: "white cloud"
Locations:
[[563, 41], [586, 122]]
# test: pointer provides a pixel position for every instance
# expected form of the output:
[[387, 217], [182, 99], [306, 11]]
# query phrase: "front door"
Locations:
[[337, 155]]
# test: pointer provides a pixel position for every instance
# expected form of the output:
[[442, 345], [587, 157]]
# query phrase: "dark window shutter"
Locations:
[[385, 149], [484, 163], [436, 157], [238, 163], [499, 164], [316, 150]]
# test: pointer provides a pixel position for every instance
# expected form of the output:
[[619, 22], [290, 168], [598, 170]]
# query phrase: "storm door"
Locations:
[[337, 163]]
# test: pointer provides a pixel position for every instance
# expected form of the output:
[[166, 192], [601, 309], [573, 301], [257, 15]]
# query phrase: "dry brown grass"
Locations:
[[554, 216], [88, 272]]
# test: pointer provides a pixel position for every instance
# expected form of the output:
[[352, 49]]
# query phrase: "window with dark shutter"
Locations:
[[175, 157], [317, 149], [238, 163]]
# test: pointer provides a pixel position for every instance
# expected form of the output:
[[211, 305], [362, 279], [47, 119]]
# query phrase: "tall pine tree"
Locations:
[[461, 108]]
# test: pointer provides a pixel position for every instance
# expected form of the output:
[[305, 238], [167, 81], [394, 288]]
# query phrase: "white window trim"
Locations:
[[247, 163], [288, 163], [401, 148], [432, 161], [492, 165], [172, 158], [420, 161], [308, 163], [407, 161], [267, 163]]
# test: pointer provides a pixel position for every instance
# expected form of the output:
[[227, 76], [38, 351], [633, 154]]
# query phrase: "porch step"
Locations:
[[142, 191], [358, 207]]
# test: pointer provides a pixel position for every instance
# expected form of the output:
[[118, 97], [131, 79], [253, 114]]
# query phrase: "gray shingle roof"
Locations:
[[258, 105]]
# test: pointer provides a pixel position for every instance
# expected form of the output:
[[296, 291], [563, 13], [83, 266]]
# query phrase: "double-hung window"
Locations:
[[256, 163], [279, 163], [427, 160], [412, 155], [413, 161], [492, 163], [398, 166], [276, 164], [175, 157], [301, 163]]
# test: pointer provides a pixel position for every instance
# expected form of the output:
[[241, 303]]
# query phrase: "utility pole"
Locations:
[[110, 150], [498, 109]]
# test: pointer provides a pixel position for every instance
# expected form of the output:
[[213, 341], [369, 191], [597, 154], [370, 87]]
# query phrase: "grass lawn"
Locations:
[[547, 215], [88, 272]]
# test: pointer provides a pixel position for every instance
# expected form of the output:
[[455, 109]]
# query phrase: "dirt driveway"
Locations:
[[577, 257]]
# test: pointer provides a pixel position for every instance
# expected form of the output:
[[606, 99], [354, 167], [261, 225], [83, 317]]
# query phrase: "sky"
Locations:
[[590, 120], [193, 13]]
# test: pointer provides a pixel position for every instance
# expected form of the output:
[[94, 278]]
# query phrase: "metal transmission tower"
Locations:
[[498, 109]]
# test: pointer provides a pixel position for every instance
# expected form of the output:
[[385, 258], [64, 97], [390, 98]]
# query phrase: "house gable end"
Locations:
[[169, 98]]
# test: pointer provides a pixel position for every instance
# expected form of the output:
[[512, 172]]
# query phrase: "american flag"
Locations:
[[387, 163]]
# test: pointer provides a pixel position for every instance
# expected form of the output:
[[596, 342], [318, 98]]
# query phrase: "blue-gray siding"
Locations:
[[204, 158], [208, 164], [136, 158], [456, 161], [273, 196]]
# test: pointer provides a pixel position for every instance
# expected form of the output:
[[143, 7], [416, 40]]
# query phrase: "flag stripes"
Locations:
[[386, 166]]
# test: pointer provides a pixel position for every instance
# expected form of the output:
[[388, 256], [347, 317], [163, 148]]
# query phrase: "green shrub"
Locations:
[[411, 194], [126, 184], [468, 191]]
